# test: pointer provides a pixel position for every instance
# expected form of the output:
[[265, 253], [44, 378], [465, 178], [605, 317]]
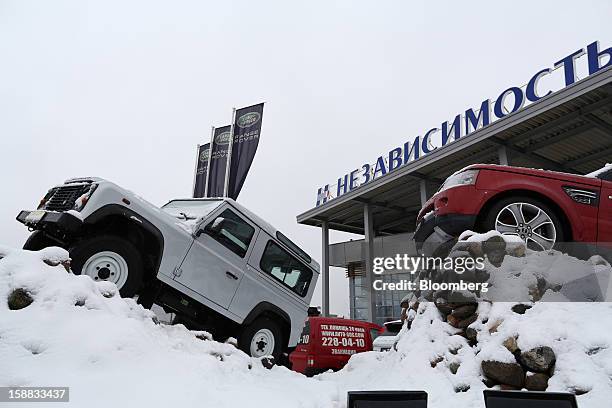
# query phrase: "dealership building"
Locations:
[[567, 129]]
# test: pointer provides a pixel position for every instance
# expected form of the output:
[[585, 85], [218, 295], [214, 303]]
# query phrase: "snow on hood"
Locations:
[[111, 352]]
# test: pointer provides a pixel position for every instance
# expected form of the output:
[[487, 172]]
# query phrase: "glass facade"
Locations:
[[387, 302]]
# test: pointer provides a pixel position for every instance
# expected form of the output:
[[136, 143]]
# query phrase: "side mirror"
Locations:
[[215, 227]]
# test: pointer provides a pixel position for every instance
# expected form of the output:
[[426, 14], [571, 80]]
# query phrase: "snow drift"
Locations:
[[67, 330]]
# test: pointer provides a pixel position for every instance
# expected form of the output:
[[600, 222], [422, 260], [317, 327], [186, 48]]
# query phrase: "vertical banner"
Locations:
[[201, 171], [218, 161], [247, 127]]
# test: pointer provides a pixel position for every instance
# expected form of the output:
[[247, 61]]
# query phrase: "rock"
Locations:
[[489, 383], [578, 390], [435, 361], [495, 326], [19, 298], [539, 359], [466, 322], [507, 387], [520, 308], [504, 373], [464, 311], [452, 320], [516, 249], [510, 344], [267, 362], [453, 367], [462, 388], [536, 381], [471, 334], [495, 249], [444, 307]]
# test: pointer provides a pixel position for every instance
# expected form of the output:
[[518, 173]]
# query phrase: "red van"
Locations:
[[328, 343]]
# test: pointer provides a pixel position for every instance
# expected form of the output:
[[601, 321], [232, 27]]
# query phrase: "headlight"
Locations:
[[82, 200], [463, 178]]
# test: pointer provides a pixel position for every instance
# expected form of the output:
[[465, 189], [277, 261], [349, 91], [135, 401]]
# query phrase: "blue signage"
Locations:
[[468, 122]]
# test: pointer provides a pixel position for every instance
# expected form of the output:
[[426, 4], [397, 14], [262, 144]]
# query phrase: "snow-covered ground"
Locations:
[[111, 352]]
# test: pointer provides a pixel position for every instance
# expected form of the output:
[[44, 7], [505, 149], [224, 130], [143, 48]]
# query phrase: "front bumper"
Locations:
[[434, 231], [52, 222]]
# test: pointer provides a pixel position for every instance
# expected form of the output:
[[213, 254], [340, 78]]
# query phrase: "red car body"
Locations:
[[582, 205], [328, 343]]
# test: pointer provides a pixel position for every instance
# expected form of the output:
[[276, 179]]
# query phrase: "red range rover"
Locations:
[[544, 208]]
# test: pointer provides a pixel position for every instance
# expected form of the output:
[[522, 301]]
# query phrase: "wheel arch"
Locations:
[[267, 309], [118, 220], [560, 212]]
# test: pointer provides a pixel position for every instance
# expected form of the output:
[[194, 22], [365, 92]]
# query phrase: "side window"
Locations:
[[231, 231], [281, 265]]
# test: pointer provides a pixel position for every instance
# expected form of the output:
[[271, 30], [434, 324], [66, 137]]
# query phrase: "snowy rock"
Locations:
[[504, 373], [539, 359], [510, 344], [536, 381], [19, 299], [520, 308], [464, 311], [495, 249]]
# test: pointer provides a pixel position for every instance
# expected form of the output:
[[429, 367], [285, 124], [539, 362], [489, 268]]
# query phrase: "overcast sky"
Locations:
[[126, 89]]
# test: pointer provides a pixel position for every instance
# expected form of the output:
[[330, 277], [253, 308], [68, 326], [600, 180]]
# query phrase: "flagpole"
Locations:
[[229, 154], [195, 171], [210, 146]]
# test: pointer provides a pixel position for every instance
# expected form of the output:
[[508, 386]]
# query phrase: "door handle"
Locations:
[[231, 275]]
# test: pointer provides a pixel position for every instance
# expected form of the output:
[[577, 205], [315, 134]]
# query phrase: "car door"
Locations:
[[604, 218], [215, 263]]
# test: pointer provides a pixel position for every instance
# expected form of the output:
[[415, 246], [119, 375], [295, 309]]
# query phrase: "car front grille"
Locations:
[[62, 198]]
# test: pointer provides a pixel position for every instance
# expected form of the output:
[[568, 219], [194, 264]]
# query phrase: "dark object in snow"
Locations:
[[462, 388], [539, 359], [504, 373], [19, 298], [495, 250], [454, 367], [464, 311], [471, 334], [536, 381], [267, 362], [520, 308]]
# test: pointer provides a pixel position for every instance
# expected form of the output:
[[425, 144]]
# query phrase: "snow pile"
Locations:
[[429, 353], [67, 330], [110, 351]]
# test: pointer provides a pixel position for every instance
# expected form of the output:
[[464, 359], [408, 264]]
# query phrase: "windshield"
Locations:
[[603, 173], [189, 210]]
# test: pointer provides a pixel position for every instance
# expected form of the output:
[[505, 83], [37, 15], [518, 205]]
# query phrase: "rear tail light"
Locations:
[[310, 361]]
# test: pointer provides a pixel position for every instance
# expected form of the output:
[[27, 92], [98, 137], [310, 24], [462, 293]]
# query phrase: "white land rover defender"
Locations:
[[215, 264]]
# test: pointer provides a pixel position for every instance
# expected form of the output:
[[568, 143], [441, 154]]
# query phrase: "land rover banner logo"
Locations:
[[247, 129], [218, 162], [204, 155], [222, 138], [248, 119], [201, 175]]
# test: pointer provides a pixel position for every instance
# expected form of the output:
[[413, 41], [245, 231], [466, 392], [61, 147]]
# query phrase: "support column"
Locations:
[[502, 154], [368, 226], [325, 268], [423, 188]]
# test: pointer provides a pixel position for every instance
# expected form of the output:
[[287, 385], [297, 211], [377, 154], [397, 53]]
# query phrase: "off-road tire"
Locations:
[[83, 250]]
